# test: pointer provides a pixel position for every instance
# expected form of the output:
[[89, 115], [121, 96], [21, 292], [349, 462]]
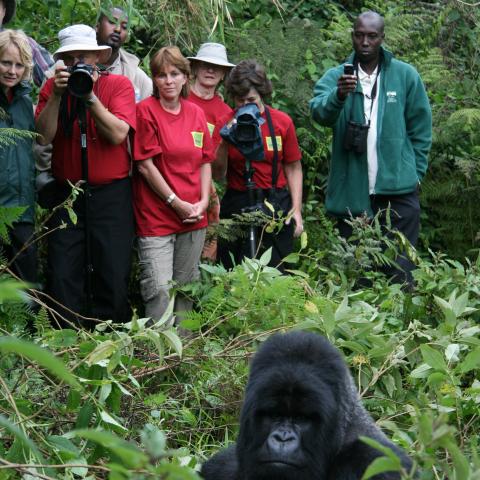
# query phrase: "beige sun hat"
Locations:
[[214, 53], [81, 37]]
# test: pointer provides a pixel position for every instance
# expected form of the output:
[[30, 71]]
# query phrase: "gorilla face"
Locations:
[[289, 418]]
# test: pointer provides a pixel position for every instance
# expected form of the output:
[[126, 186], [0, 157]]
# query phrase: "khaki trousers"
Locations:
[[165, 261]]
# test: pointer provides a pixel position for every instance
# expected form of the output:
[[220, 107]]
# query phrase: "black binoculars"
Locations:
[[356, 137]]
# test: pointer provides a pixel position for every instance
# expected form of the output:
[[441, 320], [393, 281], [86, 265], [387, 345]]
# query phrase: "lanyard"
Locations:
[[373, 94]]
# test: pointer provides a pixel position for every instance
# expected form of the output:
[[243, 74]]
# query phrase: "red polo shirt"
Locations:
[[106, 162], [179, 145], [288, 152], [214, 108]]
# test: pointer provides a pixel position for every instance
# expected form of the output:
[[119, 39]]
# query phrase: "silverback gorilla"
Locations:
[[301, 418]]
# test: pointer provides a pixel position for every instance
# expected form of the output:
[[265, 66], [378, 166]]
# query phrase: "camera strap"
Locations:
[[275, 148], [68, 113]]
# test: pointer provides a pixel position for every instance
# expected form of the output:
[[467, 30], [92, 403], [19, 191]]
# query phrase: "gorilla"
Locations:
[[301, 418]]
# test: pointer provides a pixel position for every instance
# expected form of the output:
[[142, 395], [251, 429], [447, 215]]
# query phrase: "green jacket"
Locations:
[[404, 136], [17, 166]]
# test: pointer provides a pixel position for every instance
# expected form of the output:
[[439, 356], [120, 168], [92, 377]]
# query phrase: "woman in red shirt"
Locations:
[[209, 68], [173, 151], [248, 83]]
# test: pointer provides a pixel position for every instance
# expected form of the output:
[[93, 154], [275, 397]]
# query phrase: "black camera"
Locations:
[[80, 82], [244, 133], [356, 137]]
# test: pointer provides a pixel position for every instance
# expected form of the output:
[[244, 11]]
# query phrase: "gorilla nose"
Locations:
[[283, 440]]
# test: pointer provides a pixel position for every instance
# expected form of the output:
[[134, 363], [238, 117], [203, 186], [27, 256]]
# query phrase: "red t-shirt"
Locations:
[[214, 108], [288, 152], [106, 162], [179, 145]]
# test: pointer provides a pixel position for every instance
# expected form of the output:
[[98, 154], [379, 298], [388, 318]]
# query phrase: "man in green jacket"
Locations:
[[382, 133]]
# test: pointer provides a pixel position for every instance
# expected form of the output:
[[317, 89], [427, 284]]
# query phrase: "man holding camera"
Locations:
[[87, 117], [382, 134]]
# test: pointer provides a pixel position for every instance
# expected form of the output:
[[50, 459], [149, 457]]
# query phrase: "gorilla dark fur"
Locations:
[[301, 418]]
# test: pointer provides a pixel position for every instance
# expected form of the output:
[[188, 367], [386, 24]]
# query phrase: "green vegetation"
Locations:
[[135, 401]]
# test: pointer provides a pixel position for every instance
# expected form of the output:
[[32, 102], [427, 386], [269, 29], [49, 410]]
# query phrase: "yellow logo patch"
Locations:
[[197, 139], [211, 128], [270, 144]]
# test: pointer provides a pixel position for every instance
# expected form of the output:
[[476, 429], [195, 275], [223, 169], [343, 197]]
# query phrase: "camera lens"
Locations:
[[80, 83]]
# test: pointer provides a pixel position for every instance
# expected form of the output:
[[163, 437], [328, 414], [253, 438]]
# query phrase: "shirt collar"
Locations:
[[362, 75]]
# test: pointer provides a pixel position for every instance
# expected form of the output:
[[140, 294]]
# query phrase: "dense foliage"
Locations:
[[136, 401]]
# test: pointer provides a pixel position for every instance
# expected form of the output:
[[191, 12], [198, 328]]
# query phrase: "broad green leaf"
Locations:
[[128, 454], [459, 304], [303, 240], [436, 378], [471, 362], [64, 447], [72, 215], [73, 400], [102, 351], [328, 316], [433, 358], [381, 465], [81, 472], [266, 257], [154, 336], [387, 451], [174, 341], [447, 310], [39, 355], [85, 415], [292, 258], [107, 418], [451, 352], [167, 317], [105, 391]]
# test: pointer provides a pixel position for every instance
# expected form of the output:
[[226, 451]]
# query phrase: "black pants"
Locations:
[[111, 227], [25, 263], [281, 242], [404, 217]]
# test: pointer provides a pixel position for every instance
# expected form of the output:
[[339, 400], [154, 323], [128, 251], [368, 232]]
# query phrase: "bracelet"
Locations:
[[91, 100], [170, 198]]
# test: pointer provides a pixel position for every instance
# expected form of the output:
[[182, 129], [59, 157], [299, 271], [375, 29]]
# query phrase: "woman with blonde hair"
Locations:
[[172, 151], [16, 160]]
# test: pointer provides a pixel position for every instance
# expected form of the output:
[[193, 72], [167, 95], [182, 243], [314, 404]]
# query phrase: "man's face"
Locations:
[[112, 30], [3, 10], [79, 56], [367, 37]]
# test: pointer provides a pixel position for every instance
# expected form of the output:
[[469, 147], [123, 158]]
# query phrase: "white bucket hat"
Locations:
[[81, 37], [214, 53]]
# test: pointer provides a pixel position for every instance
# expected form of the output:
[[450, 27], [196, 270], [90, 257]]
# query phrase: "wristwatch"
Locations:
[[170, 198]]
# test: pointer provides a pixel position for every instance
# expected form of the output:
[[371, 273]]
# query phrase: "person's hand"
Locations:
[[346, 84], [61, 77], [200, 207], [296, 216], [187, 212]]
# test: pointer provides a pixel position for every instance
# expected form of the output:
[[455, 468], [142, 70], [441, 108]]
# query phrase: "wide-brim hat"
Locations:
[[214, 53], [81, 37], [9, 10]]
